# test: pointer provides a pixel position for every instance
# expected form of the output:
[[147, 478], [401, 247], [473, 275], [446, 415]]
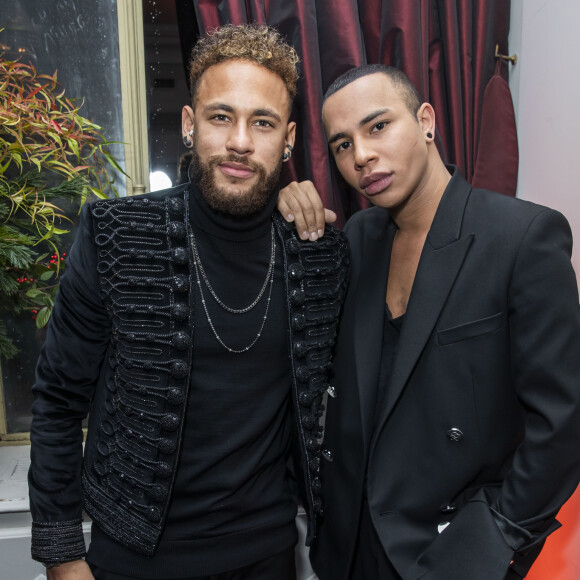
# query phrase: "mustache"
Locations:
[[232, 158]]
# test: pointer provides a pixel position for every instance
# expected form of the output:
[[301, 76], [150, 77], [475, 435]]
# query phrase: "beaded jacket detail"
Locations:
[[145, 277]]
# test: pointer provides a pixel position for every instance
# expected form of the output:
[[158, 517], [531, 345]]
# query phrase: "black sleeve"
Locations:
[[67, 372]]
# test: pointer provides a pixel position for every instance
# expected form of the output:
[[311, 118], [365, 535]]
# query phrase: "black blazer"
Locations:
[[476, 445]]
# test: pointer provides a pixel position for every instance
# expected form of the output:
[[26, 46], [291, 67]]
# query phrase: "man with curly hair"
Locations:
[[196, 328]]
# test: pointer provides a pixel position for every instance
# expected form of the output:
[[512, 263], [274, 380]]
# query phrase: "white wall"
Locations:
[[545, 85]]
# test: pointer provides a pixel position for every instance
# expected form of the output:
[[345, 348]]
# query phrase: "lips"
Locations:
[[237, 170], [376, 182]]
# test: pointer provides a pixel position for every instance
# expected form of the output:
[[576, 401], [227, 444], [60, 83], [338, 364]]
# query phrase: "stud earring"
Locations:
[[186, 139], [287, 155]]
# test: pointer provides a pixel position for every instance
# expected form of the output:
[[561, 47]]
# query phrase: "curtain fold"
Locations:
[[446, 47]]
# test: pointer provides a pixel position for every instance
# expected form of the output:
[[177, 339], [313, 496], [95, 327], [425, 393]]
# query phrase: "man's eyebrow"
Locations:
[[266, 113], [361, 123], [336, 137], [219, 107], [256, 113], [372, 116]]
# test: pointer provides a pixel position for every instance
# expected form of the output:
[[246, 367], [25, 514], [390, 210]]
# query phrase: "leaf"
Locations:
[[44, 300], [17, 159], [15, 254], [74, 146], [100, 194], [43, 317], [47, 275], [33, 293], [37, 163]]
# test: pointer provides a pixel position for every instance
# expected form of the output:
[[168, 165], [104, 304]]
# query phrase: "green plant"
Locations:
[[51, 158]]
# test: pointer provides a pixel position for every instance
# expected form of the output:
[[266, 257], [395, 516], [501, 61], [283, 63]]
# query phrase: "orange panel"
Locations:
[[560, 558]]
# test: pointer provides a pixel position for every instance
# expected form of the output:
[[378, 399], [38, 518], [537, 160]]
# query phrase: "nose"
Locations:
[[240, 140], [363, 155]]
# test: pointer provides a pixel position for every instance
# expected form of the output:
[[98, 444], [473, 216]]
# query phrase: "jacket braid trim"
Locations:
[[57, 542], [316, 276], [145, 278], [125, 527]]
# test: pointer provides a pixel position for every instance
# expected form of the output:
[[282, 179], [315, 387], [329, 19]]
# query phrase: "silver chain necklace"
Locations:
[[269, 277], [197, 261]]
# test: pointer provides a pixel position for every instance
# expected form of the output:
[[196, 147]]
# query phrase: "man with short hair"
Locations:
[[454, 431], [197, 329]]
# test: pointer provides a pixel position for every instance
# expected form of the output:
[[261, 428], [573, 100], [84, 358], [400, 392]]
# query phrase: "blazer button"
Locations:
[[447, 508], [327, 454], [455, 434]]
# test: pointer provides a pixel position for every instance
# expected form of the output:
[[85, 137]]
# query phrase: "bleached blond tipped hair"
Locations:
[[257, 43]]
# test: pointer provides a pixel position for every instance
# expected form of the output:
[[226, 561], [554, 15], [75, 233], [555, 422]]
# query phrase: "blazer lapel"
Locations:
[[369, 320], [443, 254]]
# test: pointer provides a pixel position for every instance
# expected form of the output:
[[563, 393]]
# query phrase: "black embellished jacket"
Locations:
[[123, 312]]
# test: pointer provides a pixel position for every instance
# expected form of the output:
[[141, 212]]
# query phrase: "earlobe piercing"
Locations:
[[287, 155], [186, 139], [429, 135]]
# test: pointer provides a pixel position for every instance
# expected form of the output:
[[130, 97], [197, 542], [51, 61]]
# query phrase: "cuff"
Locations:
[[54, 543], [518, 538]]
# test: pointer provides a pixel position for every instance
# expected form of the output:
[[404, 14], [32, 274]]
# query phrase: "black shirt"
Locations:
[[391, 333], [370, 559]]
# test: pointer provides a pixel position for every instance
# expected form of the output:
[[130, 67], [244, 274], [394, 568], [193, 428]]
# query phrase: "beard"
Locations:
[[232, 202]]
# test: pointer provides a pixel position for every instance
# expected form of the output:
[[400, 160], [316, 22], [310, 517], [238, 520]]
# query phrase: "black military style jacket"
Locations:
[[119, 345]]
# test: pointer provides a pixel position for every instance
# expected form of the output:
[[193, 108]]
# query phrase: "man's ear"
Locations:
[[291, 134], [187, 120], [426, 118]]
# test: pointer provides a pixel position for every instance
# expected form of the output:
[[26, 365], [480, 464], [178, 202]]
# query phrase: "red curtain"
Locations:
[[446, 47]]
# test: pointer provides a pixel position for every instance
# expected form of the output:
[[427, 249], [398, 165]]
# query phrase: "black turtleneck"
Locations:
[[231, 503]]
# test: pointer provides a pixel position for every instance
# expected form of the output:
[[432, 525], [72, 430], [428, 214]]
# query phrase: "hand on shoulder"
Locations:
[[300, 203]]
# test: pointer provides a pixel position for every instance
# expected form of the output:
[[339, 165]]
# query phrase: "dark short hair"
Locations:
[[399, 79]]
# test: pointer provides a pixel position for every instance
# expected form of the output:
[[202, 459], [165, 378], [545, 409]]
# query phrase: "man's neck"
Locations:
[[230, 227], [415, 218]]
